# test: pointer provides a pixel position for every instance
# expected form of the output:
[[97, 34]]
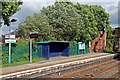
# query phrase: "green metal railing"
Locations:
[[37, 51], [21, 53], [73, 50]]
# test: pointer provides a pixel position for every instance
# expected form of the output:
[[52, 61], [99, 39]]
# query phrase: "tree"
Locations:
[[38, 23], [64, 20], [71, 22], [8, 9], [94, 18], [22, 30]]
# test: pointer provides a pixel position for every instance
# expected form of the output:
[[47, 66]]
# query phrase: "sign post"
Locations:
[[10, 39], [30, 49], [32, 35], [9, 56]]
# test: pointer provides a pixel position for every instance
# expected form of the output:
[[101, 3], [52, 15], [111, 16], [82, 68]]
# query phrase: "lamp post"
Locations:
[[32, 35], [105, 38], [9, 55]]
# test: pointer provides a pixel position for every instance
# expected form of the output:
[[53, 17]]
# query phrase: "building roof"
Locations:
[[51, 41]]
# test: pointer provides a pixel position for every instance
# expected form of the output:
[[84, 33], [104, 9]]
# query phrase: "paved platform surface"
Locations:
[[51, 61]]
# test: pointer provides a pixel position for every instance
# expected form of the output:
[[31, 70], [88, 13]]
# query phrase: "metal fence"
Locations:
[[21, 53], [73, 50], [37, 51]]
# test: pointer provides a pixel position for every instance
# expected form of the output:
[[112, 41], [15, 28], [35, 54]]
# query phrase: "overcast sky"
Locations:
[[29, 7]]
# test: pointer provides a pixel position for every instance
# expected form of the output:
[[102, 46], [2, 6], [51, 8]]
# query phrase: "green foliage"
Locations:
[[110, 40], [69, 22], [22, 30], [22, 42], [4, 54], [38, 23], [72, 43], [8, 9], [76, 21], [93, 18], [64, 19]]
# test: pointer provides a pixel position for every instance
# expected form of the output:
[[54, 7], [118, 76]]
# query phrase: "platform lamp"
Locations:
[[32, 35], [9, 55], [105, 37]]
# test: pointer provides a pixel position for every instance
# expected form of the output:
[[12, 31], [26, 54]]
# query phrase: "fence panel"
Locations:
[[73, 50], [86, 49], [20, 53], [4, 54], [37, 52]]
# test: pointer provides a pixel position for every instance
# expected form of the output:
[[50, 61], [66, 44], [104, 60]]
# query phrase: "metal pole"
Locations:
[[9, 54], [105, 39], [30, 50]]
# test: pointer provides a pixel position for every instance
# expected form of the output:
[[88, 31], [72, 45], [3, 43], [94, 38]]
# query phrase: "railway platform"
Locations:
[[7, 71]]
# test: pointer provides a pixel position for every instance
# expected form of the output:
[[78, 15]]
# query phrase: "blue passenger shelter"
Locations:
[[54, 48]]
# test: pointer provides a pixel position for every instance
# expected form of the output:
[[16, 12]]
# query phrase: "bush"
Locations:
[[22, 42], [73, 43]]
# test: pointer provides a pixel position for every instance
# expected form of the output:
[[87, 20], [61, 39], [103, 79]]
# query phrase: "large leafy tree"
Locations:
[[8, 9], [72, 22], [22, 30], [94, 18], [36, 23], [64, 19], [76, 21]]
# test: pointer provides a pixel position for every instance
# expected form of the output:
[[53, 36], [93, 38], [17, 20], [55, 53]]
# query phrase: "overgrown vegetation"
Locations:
[[69, 22], [22, 42]]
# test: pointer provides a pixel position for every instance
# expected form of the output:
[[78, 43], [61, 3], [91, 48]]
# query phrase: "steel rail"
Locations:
[[115, 75], [69, 68], [85, 70], [102, 71]]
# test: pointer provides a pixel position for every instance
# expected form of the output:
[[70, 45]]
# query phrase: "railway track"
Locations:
[[116, 75], [62, 69], [91, 70], [103, 71], [52, 63]]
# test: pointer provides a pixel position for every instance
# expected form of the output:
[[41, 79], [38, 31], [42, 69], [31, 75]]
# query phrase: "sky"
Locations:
[[29, 7]]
